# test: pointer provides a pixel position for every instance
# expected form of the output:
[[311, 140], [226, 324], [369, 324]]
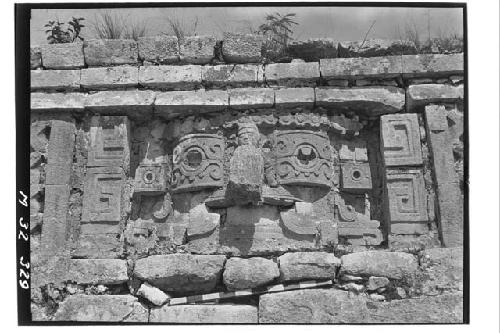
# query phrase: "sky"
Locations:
[[339, 23]]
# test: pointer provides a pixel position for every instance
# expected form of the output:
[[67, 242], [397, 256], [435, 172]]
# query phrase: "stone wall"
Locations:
[[165, 169]]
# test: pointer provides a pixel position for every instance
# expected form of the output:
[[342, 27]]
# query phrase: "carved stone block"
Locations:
[[151, 179], [356, 177], [109, 142], [102, 195], [198, 162], [303, 158], [353, 151], [400, 140], [406, 196]]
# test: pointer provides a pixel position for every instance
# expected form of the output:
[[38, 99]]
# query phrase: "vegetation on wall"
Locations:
[[108, 25], [58, 34], [277, 32]]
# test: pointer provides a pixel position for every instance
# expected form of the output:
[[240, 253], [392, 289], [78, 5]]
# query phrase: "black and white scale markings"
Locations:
[[249, 292]]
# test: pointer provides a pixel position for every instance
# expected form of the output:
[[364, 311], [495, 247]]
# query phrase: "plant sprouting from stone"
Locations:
[[57, 34], [277, 31]]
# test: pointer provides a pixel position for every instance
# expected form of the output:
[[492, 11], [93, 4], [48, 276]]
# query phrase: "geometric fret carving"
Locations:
[[400, 140], [198, 162], [109, 142], [303, 158], [102, 195], [407, 196]]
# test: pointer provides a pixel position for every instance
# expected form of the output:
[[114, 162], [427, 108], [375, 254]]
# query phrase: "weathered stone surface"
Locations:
[[159, 49], [420, 95], [375, 48], [376, 282], [356, 177], [96, 243], [197, 49], [152, 294], [294, 98], [400, 140], [57, 102], [311, 306], [450, 213], [313, 49], [232, 75], [97, 271], [62, 56], [249, 273], [55, 226], [35, 57], [176, 103], [125, 102], [308, 266], [241, 48], [180, 273], [393, 265], [170, 77], [257, 230], [432, 65], [298, 223], [205, 314], [60, 153], [336, 306], [349, 68], [251, 98], [201, 221], [106, 308], [246, 175], [293, 74], [118, 77], [370, 100], [443, 270], [444, 309], [105, 52], [55, 80]]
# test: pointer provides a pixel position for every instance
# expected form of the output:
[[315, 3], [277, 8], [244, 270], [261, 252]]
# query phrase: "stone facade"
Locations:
[[163, 168]]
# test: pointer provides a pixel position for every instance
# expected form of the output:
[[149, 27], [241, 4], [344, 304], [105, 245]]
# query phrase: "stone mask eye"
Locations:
[[306, 155], [193, 158]]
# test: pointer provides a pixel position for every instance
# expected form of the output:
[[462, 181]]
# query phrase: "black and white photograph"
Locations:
[[265, 163]]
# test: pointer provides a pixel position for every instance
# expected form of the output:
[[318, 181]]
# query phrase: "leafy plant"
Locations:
[[277, 31], [57, 34]]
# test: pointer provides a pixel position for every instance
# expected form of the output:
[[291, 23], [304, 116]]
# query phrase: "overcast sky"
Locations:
[[341, 23]]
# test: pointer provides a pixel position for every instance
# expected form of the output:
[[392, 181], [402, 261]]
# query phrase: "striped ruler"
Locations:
[[249, 292]]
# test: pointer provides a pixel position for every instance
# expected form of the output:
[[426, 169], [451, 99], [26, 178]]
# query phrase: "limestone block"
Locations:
[[176, 103], [356, 177], [98, 241], [294, 98], [60, 153], [35, 57], [450, 213], [249, 273], [420, 95], [375, 48], [197, 49], [308, 266], [251, 98], [241, 48], [55, 80], [369, 100], [299, 74], [170, 77], [298, 223], [205, 314], [68, 102], [350, 68], [400, 140], [311, 306], [313, 49], [246, 175], [180, 273], [376, 282], [432, 65], [97, 271], [444, 309], [62, 56], [124, 102], [152, 294], [110, 52], [443, 270], [55, 227], [353, 151], [102, 308], [159, 49], [201, 222], [393, 265], [110, 78], [232, 75]]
